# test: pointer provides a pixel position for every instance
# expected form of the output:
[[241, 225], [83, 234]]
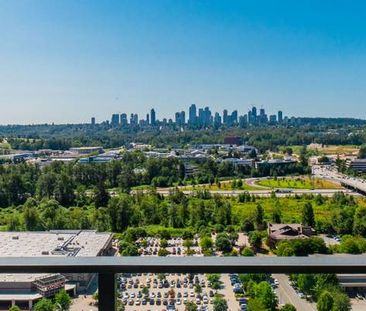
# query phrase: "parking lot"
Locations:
[[173, 291], [150, 246]]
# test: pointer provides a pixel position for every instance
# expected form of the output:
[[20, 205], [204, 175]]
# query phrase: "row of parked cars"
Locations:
[[238, 289], [169, 290], [125, 283]]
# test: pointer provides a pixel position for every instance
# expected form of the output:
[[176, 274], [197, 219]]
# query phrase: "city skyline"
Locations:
[[64, 62], [198, 117]]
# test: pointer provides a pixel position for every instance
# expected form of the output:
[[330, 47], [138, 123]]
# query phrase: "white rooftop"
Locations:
[[53, 243]]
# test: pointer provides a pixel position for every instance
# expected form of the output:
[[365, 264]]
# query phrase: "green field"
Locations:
[[4, 145], [298, 183], [326, 150], [290, 208]]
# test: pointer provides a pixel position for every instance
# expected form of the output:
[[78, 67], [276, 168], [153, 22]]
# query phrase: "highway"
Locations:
[[332, 174], [264, 193]]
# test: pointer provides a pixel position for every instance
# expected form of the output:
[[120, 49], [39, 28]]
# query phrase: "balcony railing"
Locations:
[[107, 267]]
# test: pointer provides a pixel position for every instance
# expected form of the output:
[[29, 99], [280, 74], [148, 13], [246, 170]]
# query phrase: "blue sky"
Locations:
[[65, 61]]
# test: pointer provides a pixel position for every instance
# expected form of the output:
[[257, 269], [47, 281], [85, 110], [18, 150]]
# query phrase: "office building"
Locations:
[[152, 117], [192, 114], [234, 117], [124, 121], [280, 117], [272, 119], [254, 115], [92, 121], [225, 117], [180, 118], [358, 165], [243, 120], [217, 120], [115, 120], [134, 119]]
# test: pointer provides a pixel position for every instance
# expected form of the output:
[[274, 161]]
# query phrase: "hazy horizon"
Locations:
[[67, 61]]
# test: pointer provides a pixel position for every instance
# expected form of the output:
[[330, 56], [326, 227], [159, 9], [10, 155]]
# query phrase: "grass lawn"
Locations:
[[298, 183]]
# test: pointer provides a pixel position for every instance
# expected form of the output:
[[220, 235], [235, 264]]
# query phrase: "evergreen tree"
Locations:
[[308, 218]]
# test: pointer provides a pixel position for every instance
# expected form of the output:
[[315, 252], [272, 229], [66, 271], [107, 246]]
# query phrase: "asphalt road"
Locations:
[[267, 193], [332, 174], [287, 294]]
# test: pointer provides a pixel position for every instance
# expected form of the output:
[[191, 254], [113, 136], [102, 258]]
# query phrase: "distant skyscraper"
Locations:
[[134, 119], [177, 118], [192, 114], [124, 121], [200, 117], [180, 118], [273, 119], [147, 119], [243, 120], [152, 117], [280, 117], [234, 117], [254, 114], [225, 117], [207, 116], [217, 120], [92, 121], [115, 120], [183, 117]]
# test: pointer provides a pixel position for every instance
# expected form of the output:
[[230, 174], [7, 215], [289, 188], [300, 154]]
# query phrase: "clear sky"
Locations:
[[65, 61]]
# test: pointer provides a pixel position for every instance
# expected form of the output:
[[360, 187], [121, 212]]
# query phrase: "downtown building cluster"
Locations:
[[198, 118]]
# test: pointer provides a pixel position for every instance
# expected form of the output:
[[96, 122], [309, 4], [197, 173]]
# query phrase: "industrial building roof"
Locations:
[[53, 243]]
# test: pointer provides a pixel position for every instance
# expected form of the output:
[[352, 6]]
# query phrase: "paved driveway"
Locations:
[[287, 294]]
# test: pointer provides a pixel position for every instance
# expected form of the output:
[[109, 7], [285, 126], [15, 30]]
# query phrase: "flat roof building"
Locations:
[[25, 289], [358, 165]]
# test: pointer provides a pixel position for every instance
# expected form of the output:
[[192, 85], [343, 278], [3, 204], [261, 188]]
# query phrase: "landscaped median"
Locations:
[[300, 182]]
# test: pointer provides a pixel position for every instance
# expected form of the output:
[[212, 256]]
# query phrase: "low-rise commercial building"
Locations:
[[358, 165], [25, 289]]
